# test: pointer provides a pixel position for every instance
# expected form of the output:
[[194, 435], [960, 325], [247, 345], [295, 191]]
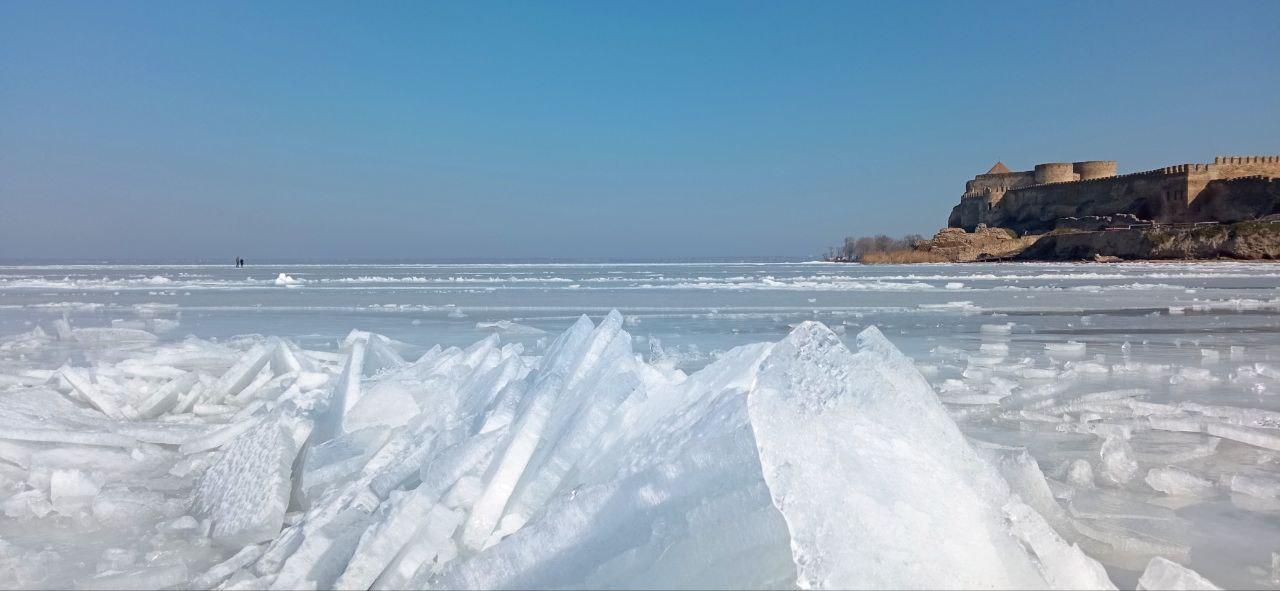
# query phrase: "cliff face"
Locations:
[[956, 245], [1244, 240]]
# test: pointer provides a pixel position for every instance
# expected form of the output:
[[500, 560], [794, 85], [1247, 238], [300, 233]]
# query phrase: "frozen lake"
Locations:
[[1146, 394], [709, 307]]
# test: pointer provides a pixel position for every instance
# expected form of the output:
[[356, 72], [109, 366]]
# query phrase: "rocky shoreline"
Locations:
[[1242, 241], [1253, 240]]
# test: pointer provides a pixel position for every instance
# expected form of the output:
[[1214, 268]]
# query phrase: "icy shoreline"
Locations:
[[257, 463]]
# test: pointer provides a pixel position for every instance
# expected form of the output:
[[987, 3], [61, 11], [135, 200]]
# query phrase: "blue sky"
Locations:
[[593, 129]]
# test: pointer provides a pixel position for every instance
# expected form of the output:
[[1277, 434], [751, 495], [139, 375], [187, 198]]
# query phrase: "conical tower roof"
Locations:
[[999, 168]]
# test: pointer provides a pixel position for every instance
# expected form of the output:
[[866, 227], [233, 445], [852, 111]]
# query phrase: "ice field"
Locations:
[[731, 425]]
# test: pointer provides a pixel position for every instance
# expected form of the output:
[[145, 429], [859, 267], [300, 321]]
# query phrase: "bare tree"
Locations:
[[854, 248]]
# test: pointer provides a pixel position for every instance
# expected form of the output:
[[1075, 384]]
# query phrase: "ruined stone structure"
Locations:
[[956, 245], [1060, 194]]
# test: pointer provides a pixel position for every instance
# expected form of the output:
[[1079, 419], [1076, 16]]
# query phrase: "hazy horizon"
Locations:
[[558, 131], [404, 261]]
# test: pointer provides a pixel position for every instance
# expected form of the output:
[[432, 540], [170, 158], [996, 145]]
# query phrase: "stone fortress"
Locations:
[[1090, 195]]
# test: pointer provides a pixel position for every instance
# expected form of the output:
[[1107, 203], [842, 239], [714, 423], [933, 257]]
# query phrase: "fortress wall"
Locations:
[[1180, 168], [1230, 167], [1095, 169], [968, 214], [1225, 167], [1237, 199], [982, 194], [1247, 160], [987, 182], [1055, 172], [1232, 188], [1154, 195]]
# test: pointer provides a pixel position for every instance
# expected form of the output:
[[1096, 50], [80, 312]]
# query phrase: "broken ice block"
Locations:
[[223, 570], [246, 491], [1005, 328], [346, 394], [835, 430], [1263, 438], [1178, 482], [240, 375], [1069, 348], [1166, 575], [158, 577], [71, 490], [91, 394], [1117, 466], [166, 397], [1080, 474], [1255, 486]]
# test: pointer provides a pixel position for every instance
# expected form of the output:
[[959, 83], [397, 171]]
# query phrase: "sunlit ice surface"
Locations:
[[402, 425]]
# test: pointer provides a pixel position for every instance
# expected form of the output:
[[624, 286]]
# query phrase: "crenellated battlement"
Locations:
[[1246, 160], [985, 193], [1180, 168], [1252, 177], [1185, 168]]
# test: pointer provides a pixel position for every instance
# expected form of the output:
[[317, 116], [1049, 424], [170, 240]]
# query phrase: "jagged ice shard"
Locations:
[[801, 463], [878, 486]]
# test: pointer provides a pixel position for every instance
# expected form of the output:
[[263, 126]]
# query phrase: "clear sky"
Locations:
[[595, 129]]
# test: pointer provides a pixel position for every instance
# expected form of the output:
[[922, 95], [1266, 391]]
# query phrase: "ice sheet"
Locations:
[[1128, 405]]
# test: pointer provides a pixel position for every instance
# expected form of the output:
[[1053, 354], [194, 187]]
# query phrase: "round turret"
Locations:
[[1054, 172], [1095, 169]]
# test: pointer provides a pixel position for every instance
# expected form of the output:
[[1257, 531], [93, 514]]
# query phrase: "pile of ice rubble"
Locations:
[[257, 464]]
